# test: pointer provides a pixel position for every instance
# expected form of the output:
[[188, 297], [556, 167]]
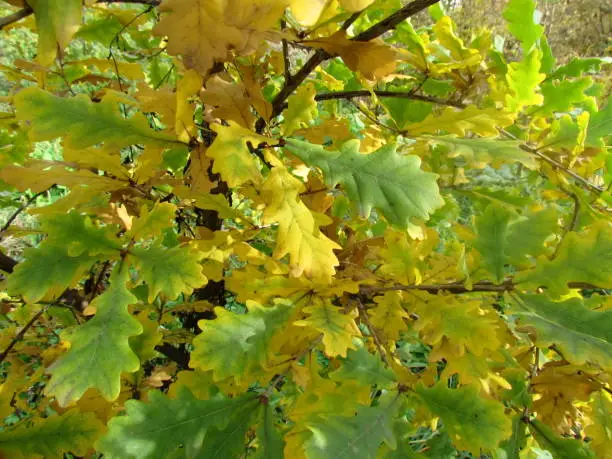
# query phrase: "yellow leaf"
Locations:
[[447, 38], [230, 101], [232, 158], [374, 59], [200, 383], [307, 12], [557, 388], [337, 327], [199, 171], [40, 175], [160, 101], [203, 32], [470, 119], [310, 252], [601, 429], [464, 322], [188, 87], [57, 21], [301, 110], [388, 316], [355, 5]]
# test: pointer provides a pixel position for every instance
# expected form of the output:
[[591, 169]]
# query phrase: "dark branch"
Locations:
[[395, 19], [400, 95], [178, 355], [319, 56], [7, 264], [14, 17]]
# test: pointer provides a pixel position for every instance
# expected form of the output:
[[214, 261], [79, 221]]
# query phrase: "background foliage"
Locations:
[[305, 229]]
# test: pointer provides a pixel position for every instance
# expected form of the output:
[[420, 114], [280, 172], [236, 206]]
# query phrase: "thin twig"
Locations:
[[287, 63], [22, 332], [554, 163], [395, 19], [21, 209], [379, 346], [572, 224], [459, 288], [396, 94]]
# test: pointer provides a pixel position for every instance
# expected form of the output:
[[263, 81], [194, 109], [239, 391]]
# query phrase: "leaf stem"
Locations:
[[22, 333]]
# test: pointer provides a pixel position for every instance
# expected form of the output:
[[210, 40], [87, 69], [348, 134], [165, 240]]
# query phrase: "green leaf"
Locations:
[[392, 183], [156, 429], [523, 79], [577, 66], [228, 441], [492, 232], [403, 432], [236, 345], [47, 271], [521, 18], [561, 96], [503, 238], [72, 432], [600, 127], [582, 257], [83, 123], [582, 335], [170, 271], [528, 234], [511, 448], [482, 152], [357, 437], [99, 349], [364, 367], [79, 236], [270, 441], [404, 111], [559, 447], [473, 422]]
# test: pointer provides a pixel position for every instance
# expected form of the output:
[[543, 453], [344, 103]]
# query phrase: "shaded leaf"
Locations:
[[83, 123], [99, 349], [473, 422], [72, 432], [581, 334], [392, 183]]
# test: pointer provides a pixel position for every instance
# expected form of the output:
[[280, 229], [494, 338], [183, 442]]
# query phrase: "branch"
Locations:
[[319, 56], [21, 209], [399, 95], [14, 17], [460, 288], [396, 18], [178, 355], [379, 346], [22, 332], [554, 163], [25, 12], [7, 264]]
